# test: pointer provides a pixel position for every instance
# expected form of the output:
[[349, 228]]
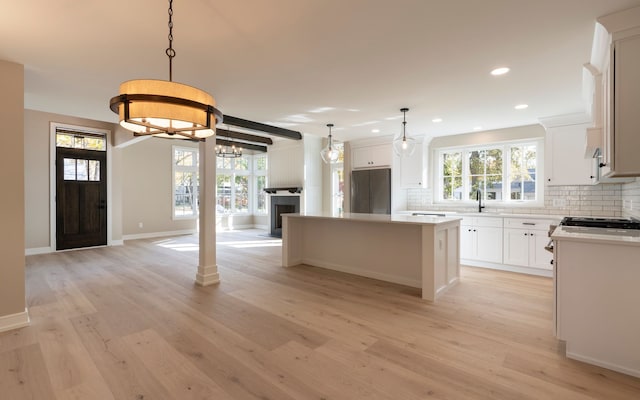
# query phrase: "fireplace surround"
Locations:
[[281, 205]]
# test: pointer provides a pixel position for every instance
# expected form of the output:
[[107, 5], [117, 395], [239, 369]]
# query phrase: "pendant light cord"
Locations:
[[170, 52]]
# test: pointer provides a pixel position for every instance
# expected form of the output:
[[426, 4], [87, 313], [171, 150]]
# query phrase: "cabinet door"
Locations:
[[565, 157], [467, 242], [489, 244], [538, 256], [412, 169], [516, 247], [381, 155], [626, 140], [360, 158]]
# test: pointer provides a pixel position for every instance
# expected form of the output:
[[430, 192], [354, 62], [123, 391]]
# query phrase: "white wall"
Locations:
[[313, 168]]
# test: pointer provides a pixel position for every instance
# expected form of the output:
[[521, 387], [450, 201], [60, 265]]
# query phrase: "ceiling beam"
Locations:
[[243, 136], [257, 126], [248, 146]]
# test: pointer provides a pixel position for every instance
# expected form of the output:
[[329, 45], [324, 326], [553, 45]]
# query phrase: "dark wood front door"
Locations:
[[81, 198]]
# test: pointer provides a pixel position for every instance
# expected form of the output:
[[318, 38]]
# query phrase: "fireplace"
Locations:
[[282, 205]]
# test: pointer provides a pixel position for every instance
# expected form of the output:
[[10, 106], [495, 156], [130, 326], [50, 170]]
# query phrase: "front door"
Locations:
[[81, 198]]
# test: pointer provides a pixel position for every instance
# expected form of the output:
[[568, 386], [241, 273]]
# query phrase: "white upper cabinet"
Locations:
[[413, 170], [617, 56], [374, 156], [565, 162]]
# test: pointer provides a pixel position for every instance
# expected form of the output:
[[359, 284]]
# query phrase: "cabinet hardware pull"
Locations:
[[529, 223]]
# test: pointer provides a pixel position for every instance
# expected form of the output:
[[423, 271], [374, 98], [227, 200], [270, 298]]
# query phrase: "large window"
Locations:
[[185, 182], [501, 173], [240, 183]]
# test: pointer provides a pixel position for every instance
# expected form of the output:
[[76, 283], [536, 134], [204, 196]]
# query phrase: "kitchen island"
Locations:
[[417, 251]]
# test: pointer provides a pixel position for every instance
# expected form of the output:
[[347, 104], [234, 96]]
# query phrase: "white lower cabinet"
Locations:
[[481, 239], [525, 241], [508, 243]]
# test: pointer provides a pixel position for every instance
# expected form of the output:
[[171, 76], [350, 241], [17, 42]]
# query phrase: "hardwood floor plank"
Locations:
[[125, 374], [23, 374], [181, 378]]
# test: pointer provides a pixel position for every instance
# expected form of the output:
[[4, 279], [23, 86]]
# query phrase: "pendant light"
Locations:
[[403, 145], [330, 154], [166, 108]]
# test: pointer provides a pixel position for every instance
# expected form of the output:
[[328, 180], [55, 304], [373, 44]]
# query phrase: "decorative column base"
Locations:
[[207, 275]]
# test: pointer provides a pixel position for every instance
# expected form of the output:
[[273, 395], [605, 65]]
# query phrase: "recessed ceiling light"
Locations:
[[521, 106], [436, 120], [500, 71], [375, 130], [477, 128], [321, 110]]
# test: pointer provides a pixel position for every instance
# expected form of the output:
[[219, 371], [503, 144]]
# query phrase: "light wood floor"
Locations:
[[128, 323]]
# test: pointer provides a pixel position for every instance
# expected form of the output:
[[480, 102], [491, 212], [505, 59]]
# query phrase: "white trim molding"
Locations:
[[152, 235], [38, 250], [14, 321]]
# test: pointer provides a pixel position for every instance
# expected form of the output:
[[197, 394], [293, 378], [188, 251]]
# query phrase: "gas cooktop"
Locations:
[[610, 223]]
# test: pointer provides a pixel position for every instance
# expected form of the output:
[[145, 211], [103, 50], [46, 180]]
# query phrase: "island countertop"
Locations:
[[392, 219]]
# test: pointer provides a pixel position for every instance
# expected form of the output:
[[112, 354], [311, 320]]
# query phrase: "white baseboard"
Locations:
[[14, 321], [604, 364], [263, 227], [510, 268], [116, 242], [37, 250], [368, 274], [152, 235]]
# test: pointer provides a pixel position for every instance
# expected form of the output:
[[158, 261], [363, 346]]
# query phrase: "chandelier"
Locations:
[[166, 108], [228, 151]]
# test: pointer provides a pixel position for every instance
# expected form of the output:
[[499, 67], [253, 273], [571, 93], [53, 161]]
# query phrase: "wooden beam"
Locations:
[[243, 136], [248, 146], [257, 126]]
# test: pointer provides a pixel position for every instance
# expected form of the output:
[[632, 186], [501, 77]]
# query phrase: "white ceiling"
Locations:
[[276, 61]]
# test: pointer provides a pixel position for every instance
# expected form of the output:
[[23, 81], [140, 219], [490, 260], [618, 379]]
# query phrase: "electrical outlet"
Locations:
[[559, 202], [627, 205], [140, 225]]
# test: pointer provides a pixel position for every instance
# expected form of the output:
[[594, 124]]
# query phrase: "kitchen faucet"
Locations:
[[479, 198]]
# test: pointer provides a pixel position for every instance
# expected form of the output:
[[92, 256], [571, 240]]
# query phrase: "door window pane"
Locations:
[[94, 170], [82, 170], [185, 198], [69, 169]]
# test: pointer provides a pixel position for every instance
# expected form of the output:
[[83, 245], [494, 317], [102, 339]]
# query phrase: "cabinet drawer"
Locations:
[[492, 222], [529, 223]]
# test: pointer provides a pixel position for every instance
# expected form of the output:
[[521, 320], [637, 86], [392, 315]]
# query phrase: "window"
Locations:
[[185, 182], [501, 172], [80, 140], [240, 183], [337, 181]]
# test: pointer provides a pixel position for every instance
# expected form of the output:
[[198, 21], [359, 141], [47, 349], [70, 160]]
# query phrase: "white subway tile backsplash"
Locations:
[[603, 200]]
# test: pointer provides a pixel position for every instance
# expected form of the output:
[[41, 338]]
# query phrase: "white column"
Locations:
[[207, 268]]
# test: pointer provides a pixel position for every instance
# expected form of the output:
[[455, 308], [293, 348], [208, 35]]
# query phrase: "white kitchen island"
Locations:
[[417, 251]]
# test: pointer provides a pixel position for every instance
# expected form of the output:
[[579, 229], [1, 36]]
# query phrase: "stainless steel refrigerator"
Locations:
[[371, 191]]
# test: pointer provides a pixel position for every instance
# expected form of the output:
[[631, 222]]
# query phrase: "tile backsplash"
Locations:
[[631, 199], [603, 200]]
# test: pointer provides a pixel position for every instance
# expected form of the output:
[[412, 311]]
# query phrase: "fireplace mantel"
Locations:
[[290, 189]]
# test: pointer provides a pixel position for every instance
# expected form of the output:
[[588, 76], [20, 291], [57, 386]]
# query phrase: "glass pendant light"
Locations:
[[403, 145], [330, 154]]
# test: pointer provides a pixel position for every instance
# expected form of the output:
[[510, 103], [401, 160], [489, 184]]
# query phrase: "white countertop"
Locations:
[[485, 214], [607, 236], [394, 219]]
